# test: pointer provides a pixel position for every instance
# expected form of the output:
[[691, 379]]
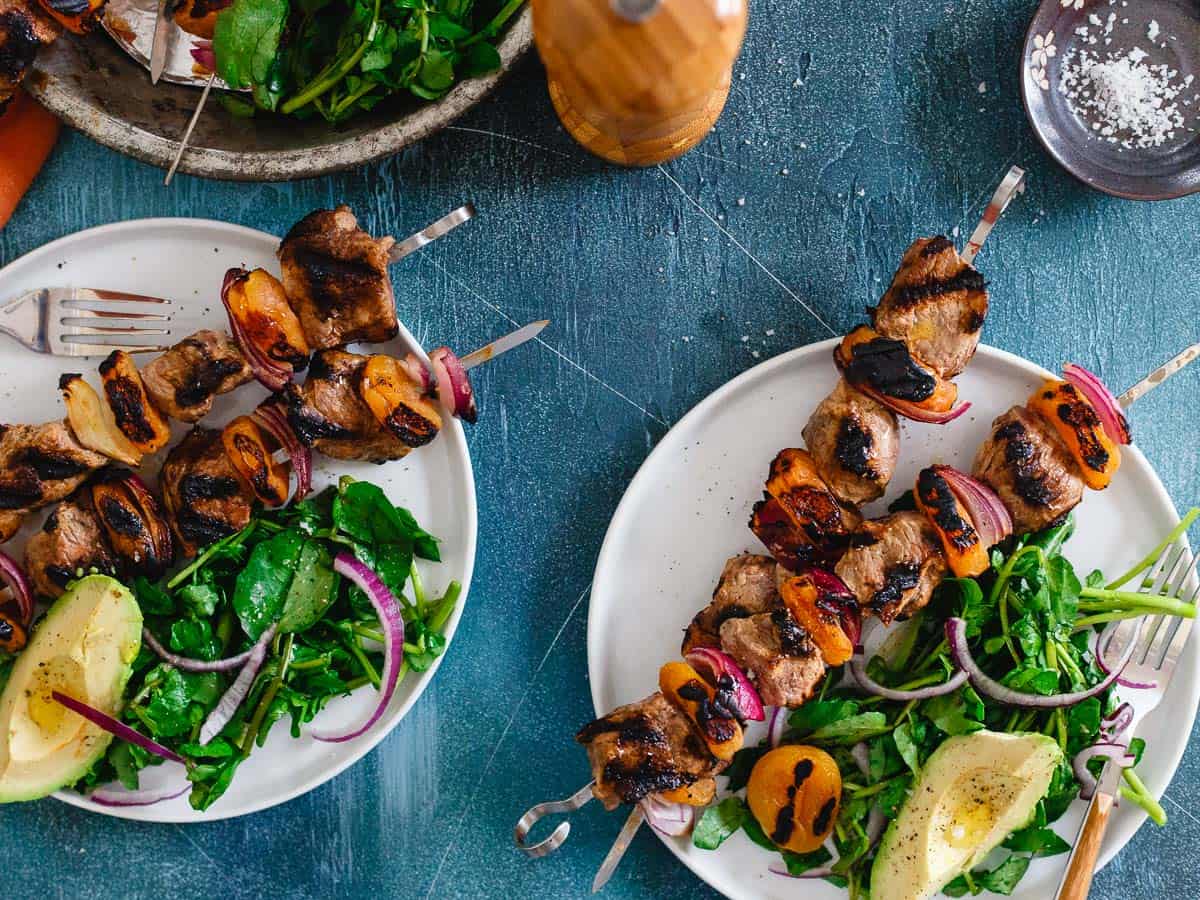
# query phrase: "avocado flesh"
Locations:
[[84, 647], [973, 792]]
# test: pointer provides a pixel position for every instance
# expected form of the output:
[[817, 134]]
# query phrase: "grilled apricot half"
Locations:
[[802, 597], [867, 358], [246, 447], [965, 552], [795, 792], [1061, 404], [683, 686], [398, 403]]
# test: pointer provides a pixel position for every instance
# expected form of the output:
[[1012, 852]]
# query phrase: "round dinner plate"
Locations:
[[184, 260], [686, 511]]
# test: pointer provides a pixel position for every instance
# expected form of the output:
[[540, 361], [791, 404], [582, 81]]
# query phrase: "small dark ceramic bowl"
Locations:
[[1154, 173], [91, 84]]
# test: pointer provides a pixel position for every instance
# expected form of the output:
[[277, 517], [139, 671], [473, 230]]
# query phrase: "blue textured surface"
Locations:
[[851, 129]]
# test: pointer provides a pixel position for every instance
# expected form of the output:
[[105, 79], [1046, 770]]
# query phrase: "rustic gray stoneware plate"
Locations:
[[92, 85]]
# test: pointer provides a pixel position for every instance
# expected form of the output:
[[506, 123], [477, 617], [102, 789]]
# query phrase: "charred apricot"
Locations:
[[821, 620], [1062, 405], [965, 552], [795, 793], [713, 714]]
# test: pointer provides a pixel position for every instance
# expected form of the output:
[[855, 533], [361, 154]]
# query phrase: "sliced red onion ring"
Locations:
[[13, 576], [956, 635], [777, 726], [1117, 753], [388, 610], [453, 385], [712, 664], [1107, 407], [671, 819], [911, 410], [819, 872], [272, 417], [228, 705], [115, 727], [116, 795], [271, 374], [1102, 647], [858, 668], [416, 370], [1117, 722], [860, 753], [836, 597], [188, 664], [202, 52], [987, 512]]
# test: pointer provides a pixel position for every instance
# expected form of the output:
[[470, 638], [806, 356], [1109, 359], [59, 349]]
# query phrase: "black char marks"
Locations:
[[853, 448], [899, 578], [936, 495], [886, 365]]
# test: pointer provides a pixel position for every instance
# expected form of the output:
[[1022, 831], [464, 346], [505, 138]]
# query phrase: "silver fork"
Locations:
[[1159, 642], [82, 321]]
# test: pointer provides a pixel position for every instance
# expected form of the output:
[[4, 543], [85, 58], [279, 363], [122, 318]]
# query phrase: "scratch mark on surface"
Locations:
[[1183, 809], [596, 378], [212, 862], [509, 137], [470, 805], [736, 165], [754, 259]]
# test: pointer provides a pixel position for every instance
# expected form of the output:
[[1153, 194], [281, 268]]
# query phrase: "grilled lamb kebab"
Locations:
[[39, 464], [24, 30]]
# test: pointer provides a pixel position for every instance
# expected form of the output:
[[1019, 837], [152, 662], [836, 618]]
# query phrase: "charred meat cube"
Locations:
[[936, 304], [748, 585], [1030, 468], [893, 565], [328, 413], [71, 544], [644, 748], [778, 653], [183, 381], [24, 30], [10, 523], [40, 464], [336, 277], [204, 497], [855, 442]]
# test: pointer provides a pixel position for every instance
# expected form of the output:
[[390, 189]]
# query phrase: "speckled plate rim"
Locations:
[[459, 458], [601, 657], [285, 165], [1048, 135]]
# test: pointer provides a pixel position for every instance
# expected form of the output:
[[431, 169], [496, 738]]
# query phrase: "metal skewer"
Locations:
[[163, 32], [1012, 184], [187, 132]]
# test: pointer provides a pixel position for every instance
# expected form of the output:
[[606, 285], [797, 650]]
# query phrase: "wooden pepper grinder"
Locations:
[[638, 82]]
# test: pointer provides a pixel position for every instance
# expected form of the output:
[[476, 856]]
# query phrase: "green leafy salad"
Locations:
[[273, 585], [336, 58], [1032, 625]]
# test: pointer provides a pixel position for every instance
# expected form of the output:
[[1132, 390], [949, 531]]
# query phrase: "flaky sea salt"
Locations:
[[1126, 100]]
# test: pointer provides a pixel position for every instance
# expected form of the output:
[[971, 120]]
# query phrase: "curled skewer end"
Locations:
[[559, 836], [1012, 184]]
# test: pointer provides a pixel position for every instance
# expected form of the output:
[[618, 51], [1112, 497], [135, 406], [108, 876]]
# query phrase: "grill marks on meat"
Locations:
[[1027, 464], [71, 544], [893, 565], [24, 30], [776, 650], [936, 304], [644, 748], [855, 442], [39, 464], [748, 586], [183, 381], [204, 497], [328, 413], [336, 278]]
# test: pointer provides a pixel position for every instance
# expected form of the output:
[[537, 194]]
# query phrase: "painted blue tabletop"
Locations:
[[851, 129]]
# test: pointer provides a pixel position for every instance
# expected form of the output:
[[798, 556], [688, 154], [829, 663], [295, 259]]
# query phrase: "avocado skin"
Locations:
[[900, 870], [65, 766]]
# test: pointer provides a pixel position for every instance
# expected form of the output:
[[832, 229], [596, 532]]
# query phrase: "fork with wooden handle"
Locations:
[[1160, 641]]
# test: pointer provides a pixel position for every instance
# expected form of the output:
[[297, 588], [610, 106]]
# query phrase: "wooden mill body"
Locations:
[[639, 89]]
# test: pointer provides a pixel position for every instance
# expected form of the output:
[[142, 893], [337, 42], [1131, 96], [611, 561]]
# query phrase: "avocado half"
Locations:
[[973, 792], [84, 647]]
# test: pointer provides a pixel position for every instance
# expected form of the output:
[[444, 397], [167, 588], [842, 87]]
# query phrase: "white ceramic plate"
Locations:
[[184, 260], [685, 513]]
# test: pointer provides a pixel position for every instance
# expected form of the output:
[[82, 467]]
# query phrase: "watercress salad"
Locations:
[[335, 58], [325, 638], [1031, 623]]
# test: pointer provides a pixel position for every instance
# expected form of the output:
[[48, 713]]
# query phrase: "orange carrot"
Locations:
[[27, 135]]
